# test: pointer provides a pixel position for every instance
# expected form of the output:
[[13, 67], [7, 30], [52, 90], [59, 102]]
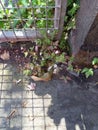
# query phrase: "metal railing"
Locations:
[[23, 20]]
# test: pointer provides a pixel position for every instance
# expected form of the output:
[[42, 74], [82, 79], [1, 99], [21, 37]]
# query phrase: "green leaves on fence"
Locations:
[[26, 14]]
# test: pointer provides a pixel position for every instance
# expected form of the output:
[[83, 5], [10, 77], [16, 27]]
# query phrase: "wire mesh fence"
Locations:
[[25, 19]]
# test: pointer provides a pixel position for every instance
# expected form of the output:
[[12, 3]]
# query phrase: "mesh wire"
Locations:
[[27, 15]]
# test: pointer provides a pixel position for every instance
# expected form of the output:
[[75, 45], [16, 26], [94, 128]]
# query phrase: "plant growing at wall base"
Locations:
[[88, 72]]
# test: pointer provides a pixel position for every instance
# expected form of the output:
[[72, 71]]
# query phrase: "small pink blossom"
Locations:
[[32, 86]]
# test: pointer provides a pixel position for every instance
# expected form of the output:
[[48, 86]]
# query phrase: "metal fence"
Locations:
[[23, 20]]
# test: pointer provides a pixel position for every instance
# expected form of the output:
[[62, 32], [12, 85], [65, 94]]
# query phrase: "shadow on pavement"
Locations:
[[78, 109]]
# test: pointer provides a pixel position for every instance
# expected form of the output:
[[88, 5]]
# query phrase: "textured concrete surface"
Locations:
[[54, 105]]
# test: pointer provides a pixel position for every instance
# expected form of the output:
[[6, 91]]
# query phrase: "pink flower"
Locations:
[[32, 86]]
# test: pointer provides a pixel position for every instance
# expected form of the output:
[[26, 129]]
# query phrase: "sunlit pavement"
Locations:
[[53, 105]]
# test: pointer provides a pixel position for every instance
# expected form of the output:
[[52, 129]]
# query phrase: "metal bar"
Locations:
[[20, 35], [52, 19], [30, 7], [21, 18], [28, 29], [59, 24], [4, 35], [46, 15], [57, 13], [33, 15]]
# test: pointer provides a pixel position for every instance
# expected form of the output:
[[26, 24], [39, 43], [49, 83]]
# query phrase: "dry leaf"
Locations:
[[18, 81], [5, 55], [31, 118], [24, 104], [46, 77], [35, 78], [68, 78], [12, 113], [56, 43], [32, 53], [95, 66]]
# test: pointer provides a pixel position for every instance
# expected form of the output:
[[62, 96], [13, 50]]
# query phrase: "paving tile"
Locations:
[[47, 96], [39, 128], [6, 79], [47, 102], [49, 122], [27, 94], [36, 96], [1, 79], [15, 121], [28, 128], [1, 66], [5, 94], [39, 121], [46, 109], [38, 102], [27, 103], [34, 115], [3, 113], [16, 95], [7, 72], [52, 128], [6, 86], [64, 128], [27, 122], [27, 112], [38, 111]]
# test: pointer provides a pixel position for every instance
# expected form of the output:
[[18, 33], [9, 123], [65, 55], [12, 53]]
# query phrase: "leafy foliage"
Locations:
[[69, 23], [46, 52], [88, 72], [95, 61], [26, 14]]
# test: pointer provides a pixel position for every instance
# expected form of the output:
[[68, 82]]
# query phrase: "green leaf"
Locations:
[[70, 67], [27, 72], [1, 24], [95, 61], [69, 2], [84, 70], [60, 58], [88, 72], [73, 10]]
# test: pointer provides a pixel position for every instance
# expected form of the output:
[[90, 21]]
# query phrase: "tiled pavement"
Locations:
[[21, 109], [54, 105]]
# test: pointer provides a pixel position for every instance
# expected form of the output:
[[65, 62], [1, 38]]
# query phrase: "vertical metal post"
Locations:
[[57, 13], [60, 12]]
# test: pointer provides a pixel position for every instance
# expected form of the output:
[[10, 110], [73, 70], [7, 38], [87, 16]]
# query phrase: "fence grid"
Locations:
[[22, 20]]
